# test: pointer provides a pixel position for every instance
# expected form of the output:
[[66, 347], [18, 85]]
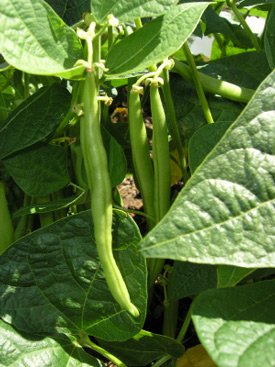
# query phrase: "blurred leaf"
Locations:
[[195, 357]]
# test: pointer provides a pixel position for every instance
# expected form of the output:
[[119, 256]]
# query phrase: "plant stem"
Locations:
[[239, 16], [6, 227], [170, 318], [185, 326], [179, 338], [198, 85], [162, 360], [45, 218], [173, 123], [215, 86], [86, 342], [25, 222], [138, 23]]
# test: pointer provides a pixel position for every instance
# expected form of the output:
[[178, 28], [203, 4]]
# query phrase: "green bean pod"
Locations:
[[140, 153], [160, 154], [96, 166]]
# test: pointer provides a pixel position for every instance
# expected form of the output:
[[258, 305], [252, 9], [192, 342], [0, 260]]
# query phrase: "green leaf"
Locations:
[[225, 214], [203, 141], [117, 163], [156, 40], [126, 10], [188, 109], [52, 281], [34, 120], [144, 348], [71, 11], [190, 279], [32, 30], [237, 325], [255, 2], [49, 206], [247, 69], [269, 38], [39, 171], [29, 350], [229, 276]]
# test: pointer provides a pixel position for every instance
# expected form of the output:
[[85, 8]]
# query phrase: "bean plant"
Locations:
[[94, 94]]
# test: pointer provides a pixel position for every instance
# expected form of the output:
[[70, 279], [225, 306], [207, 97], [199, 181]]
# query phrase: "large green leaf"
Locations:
[[237, 325], [188, 109], [229, 276], [34, 120], [156, 40], [34, 39], [52, 280], [247, 69], [39, 171], [29, 350], [190, 279], [126, 10], [203, 141], [225, 214], [146, 346], [270, 38]]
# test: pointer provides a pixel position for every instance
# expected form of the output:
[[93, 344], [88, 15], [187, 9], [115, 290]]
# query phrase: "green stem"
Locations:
[[239, 16], [110, 36], [25, 222], [45, 218], [6, 227], [170, 318], [162, 361], [173, 126], [86, 342], [185, 326], [198, 85], [179, 339], [138, 23], [3, 109], [215, 86]]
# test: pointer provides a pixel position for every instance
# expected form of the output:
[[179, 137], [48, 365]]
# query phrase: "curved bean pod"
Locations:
[[96, 165]]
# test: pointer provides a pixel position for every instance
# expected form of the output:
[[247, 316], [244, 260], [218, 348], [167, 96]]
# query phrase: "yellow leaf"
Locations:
[[195, 357]]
